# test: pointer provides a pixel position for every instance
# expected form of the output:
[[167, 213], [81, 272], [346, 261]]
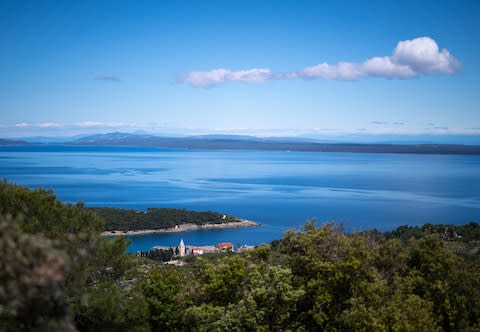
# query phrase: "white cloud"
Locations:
[[410, 58], [217, 76], [97, 124], [43, 126], [49, 125], [89, 124], [423, 56], [250, 76], [342, 71], [386, 68]]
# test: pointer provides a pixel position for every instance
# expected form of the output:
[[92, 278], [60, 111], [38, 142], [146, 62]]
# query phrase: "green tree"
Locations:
[[64, 241], [273, 296], [166, 298], [222, 283], [33, 293], [109, 307]]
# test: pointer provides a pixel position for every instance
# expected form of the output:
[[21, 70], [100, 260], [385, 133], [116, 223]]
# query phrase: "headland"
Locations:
[[189, 227]]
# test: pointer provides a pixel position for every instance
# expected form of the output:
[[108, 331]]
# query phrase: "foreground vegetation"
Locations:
[[58, 274]]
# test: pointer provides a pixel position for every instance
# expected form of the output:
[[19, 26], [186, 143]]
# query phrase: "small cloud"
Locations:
[[88, 124], [22, 125], [107, 78], [398, 123], [441, 128], [217, 76], [98, 124], [342, 71], [379, 122], [49, 125], [410, 58]]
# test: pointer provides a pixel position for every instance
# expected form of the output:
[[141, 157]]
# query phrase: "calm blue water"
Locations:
[[281, 190]]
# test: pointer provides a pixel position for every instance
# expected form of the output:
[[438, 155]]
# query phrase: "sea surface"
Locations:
[[280, 190]]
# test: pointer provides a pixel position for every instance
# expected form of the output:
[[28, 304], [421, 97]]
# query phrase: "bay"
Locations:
[[280, 190]]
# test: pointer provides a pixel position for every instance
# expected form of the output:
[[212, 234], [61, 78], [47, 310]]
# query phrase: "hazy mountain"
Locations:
[[111, 137], [11, 142], [50, 139]]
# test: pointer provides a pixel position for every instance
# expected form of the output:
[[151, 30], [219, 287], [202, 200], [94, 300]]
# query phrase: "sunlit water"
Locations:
[[281, 190]]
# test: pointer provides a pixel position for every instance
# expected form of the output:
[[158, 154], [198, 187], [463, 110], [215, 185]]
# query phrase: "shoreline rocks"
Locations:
[[240, 223]]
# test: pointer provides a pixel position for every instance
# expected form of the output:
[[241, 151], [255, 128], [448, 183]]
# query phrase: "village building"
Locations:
[[197, 251], [181, 248], [245, 247], [224, 246]]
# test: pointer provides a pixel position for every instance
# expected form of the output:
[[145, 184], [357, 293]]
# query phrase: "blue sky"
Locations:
[[268, 68]]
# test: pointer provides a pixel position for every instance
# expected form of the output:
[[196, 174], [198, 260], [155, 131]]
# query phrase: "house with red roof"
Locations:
[[224, 246]]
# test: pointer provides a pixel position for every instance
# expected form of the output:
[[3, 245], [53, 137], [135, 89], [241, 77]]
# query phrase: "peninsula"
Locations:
[[120, 222], [239, 223]]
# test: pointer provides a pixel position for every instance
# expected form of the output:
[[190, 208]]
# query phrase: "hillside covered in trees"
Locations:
[[58, 274], [156, 218]]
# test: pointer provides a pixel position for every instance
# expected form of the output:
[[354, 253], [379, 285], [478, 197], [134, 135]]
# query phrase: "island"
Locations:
[[121, 222]]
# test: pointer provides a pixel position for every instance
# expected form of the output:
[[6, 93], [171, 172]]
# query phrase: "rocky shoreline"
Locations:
[[240, 223]]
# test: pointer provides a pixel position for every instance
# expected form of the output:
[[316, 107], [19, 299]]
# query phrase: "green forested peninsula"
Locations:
[[156, 218], [58, 274]]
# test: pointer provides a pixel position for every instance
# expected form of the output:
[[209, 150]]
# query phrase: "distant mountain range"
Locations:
[[127, 139], [11, 142], [243, 142]]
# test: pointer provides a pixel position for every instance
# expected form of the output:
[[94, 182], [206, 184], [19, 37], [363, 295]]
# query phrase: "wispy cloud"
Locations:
[[107, 78], [218, 76], [49, 125], [95, 124], [381, 123], [82, 124], [410, 58]]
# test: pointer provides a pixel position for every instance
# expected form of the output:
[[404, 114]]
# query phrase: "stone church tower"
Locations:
[[181, 248]]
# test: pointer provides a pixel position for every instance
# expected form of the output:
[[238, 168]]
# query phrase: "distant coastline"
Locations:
[[238, 142], [267, 144], [240, 223]]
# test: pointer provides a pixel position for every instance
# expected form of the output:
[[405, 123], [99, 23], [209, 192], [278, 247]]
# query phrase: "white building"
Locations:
[[181, 248]]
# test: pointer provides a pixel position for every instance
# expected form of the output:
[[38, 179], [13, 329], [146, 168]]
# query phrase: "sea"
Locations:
[[280, 190]]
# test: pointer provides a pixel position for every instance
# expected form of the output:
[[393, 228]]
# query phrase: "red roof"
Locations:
[[224, 245]]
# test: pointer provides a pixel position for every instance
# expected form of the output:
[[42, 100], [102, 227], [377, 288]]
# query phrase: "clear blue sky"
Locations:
[[69, 67]]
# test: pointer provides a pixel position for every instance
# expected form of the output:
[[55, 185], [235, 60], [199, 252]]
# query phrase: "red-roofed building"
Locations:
[[224, 246]]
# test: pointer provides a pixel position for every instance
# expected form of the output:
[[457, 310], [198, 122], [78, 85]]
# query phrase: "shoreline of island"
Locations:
[[240, 223]]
